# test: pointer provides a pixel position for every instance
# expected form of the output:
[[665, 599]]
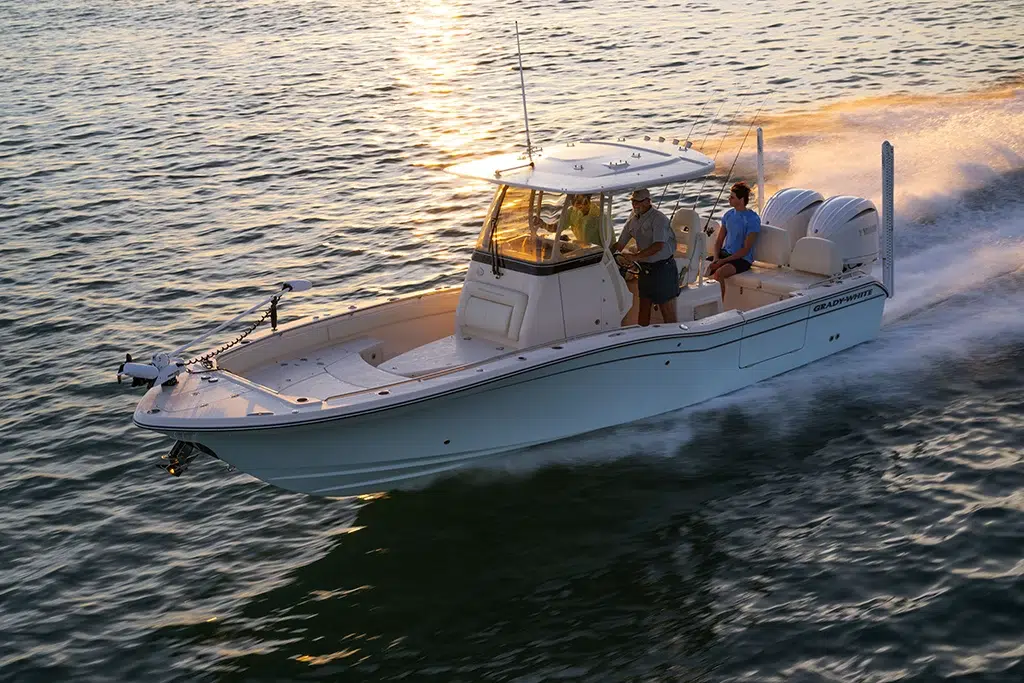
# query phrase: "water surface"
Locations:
[[163, 163]]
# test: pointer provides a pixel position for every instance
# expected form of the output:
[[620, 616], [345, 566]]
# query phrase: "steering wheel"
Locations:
[[627, 267]]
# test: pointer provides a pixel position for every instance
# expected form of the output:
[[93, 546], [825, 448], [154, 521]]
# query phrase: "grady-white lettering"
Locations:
[[842, 300]]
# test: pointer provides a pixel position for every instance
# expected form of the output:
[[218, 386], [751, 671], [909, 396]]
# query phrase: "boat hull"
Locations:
[[402, 445]]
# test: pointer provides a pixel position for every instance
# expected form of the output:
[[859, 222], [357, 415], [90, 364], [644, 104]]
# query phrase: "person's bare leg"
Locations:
[[724, 272], [644, 312], [668, 311]]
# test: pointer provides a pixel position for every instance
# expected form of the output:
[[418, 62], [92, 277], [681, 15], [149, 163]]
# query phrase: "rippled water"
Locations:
[[161, 163]]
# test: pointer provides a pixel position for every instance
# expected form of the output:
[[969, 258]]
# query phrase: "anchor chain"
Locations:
[[206, 360]]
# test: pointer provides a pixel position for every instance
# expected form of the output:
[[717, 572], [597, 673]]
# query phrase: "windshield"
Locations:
[[527, 224]]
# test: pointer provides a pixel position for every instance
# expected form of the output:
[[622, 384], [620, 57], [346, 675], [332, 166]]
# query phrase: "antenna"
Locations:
[[522, 85]]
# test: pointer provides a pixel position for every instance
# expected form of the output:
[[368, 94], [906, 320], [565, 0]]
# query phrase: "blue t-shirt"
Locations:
[[739, 224]]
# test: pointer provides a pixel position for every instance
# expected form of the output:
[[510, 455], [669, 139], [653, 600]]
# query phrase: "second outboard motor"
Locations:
[[852, 224]]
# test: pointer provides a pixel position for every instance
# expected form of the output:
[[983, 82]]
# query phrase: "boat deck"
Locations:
[[340, 369], [355, 365], [444, 354]]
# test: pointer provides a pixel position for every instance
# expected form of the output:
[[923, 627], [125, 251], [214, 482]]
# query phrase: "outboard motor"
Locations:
[[791, 209], [852, 224]]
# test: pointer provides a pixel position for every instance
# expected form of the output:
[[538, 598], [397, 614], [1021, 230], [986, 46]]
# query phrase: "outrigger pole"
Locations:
[[695, 120], [711, 124]]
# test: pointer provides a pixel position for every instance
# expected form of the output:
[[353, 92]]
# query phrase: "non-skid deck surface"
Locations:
[[323, 373], [443, 354]]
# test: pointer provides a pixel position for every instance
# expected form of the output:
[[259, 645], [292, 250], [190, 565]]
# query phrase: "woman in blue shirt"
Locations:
[[735, 244]]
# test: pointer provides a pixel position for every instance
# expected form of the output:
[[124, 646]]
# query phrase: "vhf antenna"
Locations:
[[522, 85]]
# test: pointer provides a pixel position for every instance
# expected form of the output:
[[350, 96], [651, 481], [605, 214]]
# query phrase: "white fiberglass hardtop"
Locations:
[[590, 166]]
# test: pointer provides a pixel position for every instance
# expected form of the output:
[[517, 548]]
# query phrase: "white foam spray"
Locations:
[[959, 162], [960, 255]]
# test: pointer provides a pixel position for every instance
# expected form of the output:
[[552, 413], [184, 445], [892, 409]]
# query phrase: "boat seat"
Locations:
[[772, 248], [689, 244], [751, 279], [816, 255], [813, 260], [776, 280], [685, 221], [772, 245], [443, 354]]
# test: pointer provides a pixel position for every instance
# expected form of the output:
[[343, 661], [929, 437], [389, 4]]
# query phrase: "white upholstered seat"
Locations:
[[816, 255]]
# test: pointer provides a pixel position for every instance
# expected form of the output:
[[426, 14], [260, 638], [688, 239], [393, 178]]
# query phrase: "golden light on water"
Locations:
[[317, 660], [438, 66], [433, 29]]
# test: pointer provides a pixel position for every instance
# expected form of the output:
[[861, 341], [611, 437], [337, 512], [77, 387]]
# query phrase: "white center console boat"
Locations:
[[538, 343]]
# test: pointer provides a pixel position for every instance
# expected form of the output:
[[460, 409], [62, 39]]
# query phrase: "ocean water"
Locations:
[[164, 163]]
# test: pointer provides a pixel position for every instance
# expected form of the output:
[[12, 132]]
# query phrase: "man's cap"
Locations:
[[640, 194]]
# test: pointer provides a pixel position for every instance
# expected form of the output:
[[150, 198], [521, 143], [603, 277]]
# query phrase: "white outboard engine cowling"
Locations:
[[852, 224], [791, 209]]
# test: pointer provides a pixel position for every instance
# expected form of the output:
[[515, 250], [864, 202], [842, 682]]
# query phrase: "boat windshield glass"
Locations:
[[527, 224]]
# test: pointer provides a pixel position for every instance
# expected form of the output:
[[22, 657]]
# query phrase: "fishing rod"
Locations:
[[735, 159], [697, 119], [715, 159], [694, 125], [711, 124]]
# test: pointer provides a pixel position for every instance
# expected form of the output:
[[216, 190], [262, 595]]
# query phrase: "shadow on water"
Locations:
[[597, 571], [468, 581]]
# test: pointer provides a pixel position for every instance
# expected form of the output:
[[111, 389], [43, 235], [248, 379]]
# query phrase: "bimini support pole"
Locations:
[[760, 171], [887, 218]]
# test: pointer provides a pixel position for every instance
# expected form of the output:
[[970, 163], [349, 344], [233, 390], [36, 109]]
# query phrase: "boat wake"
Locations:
[[960, 163], [959, 265]]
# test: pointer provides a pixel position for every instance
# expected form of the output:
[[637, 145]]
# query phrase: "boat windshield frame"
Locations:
[[524, 225]]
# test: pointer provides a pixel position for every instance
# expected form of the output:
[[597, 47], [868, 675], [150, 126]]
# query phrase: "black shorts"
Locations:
[[741, 265], [658, 281]]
